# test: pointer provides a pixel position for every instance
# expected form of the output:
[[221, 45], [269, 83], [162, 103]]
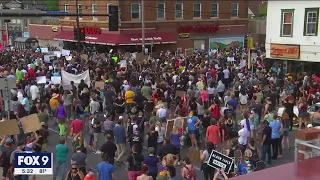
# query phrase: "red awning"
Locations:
[[122, 39]]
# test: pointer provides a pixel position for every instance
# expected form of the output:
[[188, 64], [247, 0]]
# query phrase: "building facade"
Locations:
[[168, 24], [292, 34]]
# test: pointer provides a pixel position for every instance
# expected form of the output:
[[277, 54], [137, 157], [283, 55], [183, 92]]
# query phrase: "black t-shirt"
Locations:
[[109, 148], [258, 108], [152, 138], [267, 131], [138, 140], [6, 151], [193, 105], [167, 149], [97, 129], [140, 122], [120, 109], [135, 162]]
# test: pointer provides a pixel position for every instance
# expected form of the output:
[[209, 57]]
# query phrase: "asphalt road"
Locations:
[[121, 172]]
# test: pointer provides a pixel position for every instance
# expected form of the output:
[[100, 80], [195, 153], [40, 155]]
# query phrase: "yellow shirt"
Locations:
[[53, 103], [129, 96]]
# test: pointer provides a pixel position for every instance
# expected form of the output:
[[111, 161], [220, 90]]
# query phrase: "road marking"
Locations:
[[144, 147]]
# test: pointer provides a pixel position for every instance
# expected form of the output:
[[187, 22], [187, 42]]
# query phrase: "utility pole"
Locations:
[[78, 26], [142, 26]]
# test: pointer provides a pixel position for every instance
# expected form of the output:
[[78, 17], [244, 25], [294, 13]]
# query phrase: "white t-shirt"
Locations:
[[160, 134], [243, 98], [243, 136], [226, 73], [162, 113], [243, 123], [34, 90], [211, 90]]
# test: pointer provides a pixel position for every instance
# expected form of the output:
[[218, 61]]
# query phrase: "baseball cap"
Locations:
[[120, 117], [9, 140]]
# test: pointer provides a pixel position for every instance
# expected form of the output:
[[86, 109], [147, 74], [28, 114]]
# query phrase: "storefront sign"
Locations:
[[4, 36], [146, 39], [198, 28], [92, 30], [54, 29], [285, 51], [184, 35], [91, 38]]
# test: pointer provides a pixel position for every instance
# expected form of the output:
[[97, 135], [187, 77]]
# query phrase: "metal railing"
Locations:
[[303, 143]]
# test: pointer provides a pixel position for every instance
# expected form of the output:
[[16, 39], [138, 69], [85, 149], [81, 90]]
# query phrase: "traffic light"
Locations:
[[82, 34], [113, 18]]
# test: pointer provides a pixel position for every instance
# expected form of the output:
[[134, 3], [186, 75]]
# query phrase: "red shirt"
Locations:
[[213, 134], [77, 126], [31, 74]]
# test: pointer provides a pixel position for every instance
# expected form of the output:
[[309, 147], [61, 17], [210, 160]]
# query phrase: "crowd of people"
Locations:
[[209, 91]]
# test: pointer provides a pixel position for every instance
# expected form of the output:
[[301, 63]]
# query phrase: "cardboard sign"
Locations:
[[41, 79], [140, 57], [169, 127], [65, 52], [99, 84], [180, 93], [56, 79], [218, 160], [84, 57], [9, 127], [188, 52], [30, 123]]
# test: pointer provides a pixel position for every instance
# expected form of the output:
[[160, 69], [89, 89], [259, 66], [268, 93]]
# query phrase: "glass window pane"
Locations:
[[287, 29], [287, 17]]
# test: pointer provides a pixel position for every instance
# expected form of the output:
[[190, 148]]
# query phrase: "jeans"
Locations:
[[266, 149], [275, 147], [280, 144], [60, 166], [208, 172], [68, 109]]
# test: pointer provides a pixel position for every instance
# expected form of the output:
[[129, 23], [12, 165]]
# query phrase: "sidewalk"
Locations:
[[39, 177]]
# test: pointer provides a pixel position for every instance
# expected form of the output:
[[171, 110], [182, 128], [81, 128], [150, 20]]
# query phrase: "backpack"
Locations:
[[191, 174]]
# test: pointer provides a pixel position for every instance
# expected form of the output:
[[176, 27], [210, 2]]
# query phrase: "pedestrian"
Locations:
[[119, 133], [90, 175], [54, 103], [167, 148], [63, 130], [175, 138], [109, 148], [151, 161], [6, 151], [213, 133], [79, 158], [105, 170], [144, 175], [204, 157], [188, 171], [75, 173], [135, 161], [137, 140], [266, 141], [152, 138], [193, 122], [67, 99], [275, 136], [97, 129], [62, 151]]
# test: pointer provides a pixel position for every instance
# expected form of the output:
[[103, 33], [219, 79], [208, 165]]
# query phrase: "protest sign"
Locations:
[[194, 156], [65, 52], [99, 84], [30, 123], [50, 58], [56, 79], [41, 79], [44, 50], [9, 127], [169, 127], [218, 161], [58, 53]]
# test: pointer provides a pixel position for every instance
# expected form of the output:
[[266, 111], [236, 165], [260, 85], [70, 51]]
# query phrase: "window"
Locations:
[[108, 4], [135, 11], [94, 11], [80, 10], [66, 8], [197, 10], [234, 9], [161, 11], [286, 22], [311, 19], [214, 10], [179, 11]]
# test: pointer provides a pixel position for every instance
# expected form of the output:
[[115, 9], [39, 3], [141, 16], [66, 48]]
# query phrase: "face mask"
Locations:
[[91, 174], [190, 115]]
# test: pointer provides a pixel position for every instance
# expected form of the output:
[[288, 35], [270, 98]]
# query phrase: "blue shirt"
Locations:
[[191, 122], [151, 162], [234, 102], [175, 139], [105, 171], [119, 133], [275, 127], [55, 74]]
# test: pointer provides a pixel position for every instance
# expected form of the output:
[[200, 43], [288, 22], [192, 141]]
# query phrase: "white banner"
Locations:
[[67, 78]]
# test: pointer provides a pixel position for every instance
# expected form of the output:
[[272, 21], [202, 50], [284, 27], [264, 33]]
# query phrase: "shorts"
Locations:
[[163, 119], [303, 115], [96, 137], [192, 131], [285, 132]]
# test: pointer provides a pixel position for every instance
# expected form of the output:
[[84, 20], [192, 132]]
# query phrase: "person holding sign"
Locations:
[[193, 122]]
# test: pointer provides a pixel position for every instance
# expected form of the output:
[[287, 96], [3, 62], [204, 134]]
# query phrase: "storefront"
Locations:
[[25, 43], [45, 35], [129, 41], [289, 56], [211, 36]]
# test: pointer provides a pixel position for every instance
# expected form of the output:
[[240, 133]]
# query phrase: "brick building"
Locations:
[[168, 24]]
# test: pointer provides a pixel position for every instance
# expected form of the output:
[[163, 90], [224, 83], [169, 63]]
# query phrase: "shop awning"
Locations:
[[122, 39]]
